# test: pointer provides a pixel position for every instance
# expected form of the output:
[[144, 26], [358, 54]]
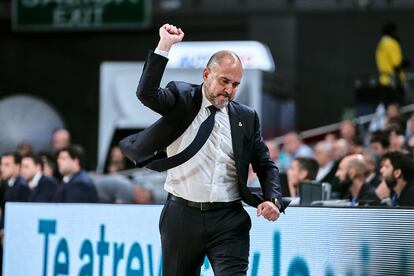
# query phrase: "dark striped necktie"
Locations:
[[202, 135]]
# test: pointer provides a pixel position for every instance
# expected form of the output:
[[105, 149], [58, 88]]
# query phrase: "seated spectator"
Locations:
[[149, 187], [60, 139], [113, 188], [347, 131], [340, 149], [397, 140], [49, 166], [24, 149], [77, 186], [292, 147], [379, 143], [324, 155], [397, 170], [394, 118], [352, 172], [409, 134], [327, 165], [302, 169], [42, 188], [374, 177], [117, 161], [357, 145], [14, 187]]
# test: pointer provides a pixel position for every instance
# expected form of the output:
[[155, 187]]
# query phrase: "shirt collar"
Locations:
[[67, 178], [11, 181], [35, 180], [206, 103]]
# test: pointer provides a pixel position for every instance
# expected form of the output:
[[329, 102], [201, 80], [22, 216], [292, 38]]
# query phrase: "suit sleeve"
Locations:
[[263, 166], [149, 92]]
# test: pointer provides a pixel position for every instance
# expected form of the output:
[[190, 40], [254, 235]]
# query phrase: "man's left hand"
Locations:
[[268, 210]]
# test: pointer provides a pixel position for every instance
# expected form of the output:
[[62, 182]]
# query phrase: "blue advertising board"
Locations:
[[87, 239]]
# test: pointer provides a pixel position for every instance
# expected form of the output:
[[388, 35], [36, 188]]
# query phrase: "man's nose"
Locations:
[[228, 88]]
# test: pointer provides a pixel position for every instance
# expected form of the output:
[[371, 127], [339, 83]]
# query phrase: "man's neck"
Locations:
[[356, 187], [400, 186]]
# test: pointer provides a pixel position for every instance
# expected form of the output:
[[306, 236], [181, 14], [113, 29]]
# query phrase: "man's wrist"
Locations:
[[276, 202], [163, 45], [161, 52]]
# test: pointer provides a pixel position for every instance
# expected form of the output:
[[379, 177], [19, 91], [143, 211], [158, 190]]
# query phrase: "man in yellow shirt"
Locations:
[[390, 64]]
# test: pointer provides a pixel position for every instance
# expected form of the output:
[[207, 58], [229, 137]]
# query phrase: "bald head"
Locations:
[[224, 57], [357, 163], [222, 77]]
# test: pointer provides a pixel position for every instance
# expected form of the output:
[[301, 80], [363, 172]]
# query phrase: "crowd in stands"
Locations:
[[370, 165]]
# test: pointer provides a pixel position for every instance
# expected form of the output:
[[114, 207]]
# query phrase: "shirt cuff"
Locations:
[[161, 52]]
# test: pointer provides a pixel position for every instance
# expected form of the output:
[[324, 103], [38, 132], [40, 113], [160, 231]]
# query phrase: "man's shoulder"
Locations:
[[183, 87], [82, 178], [245, 109]]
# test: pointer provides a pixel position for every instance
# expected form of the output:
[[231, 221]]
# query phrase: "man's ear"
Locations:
[[206, 72], [303, 175], [352, 173], [397, 173]]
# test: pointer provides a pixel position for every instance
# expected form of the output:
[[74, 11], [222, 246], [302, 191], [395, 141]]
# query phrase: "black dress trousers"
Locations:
[[189, 234]]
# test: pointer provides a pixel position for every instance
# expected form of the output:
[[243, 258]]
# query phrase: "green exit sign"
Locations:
[[80, 14]]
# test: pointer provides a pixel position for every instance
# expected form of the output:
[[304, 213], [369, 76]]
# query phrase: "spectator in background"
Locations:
[[391, 64], [379, 143], [347, 131], [374, 177], [42, 188], [397, 140], [117, 161], [340, 149], [409, 133], [397, 170], [352, 172], [49, 166], [24, 149], [302, 169], [326, 162], [394, 119], [16, 188], [77, 186], [60, 139], [113, 188], [357, 145], [293, 147]]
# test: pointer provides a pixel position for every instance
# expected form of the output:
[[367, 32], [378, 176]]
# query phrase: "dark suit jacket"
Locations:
[[19, 192], [44, 191], [407, 195], [80, 189], [367, 196], [178, 104]]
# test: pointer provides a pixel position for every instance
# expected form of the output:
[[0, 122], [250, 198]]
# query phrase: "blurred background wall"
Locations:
[[319, 48]]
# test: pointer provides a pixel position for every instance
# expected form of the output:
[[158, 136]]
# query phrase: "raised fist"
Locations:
[[169, 35]]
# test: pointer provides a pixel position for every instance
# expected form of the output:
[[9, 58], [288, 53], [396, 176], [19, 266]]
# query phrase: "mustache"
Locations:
[[225, 94]]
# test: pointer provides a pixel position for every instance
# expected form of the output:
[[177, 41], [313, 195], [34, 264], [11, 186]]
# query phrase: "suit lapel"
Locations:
[[236, 127]]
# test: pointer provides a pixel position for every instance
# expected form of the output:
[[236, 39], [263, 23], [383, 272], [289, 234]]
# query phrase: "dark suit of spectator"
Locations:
[[79, 189], [407, 195], [45, 190], [367, 196]]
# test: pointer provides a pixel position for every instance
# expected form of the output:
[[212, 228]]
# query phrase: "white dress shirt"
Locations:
[[35, 181], [210, 175]]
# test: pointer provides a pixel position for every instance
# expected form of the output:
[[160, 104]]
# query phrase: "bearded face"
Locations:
[[221, 82], [391, 181]]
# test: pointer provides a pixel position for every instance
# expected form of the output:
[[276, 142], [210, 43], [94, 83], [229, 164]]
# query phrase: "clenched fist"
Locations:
[[169, 35]]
